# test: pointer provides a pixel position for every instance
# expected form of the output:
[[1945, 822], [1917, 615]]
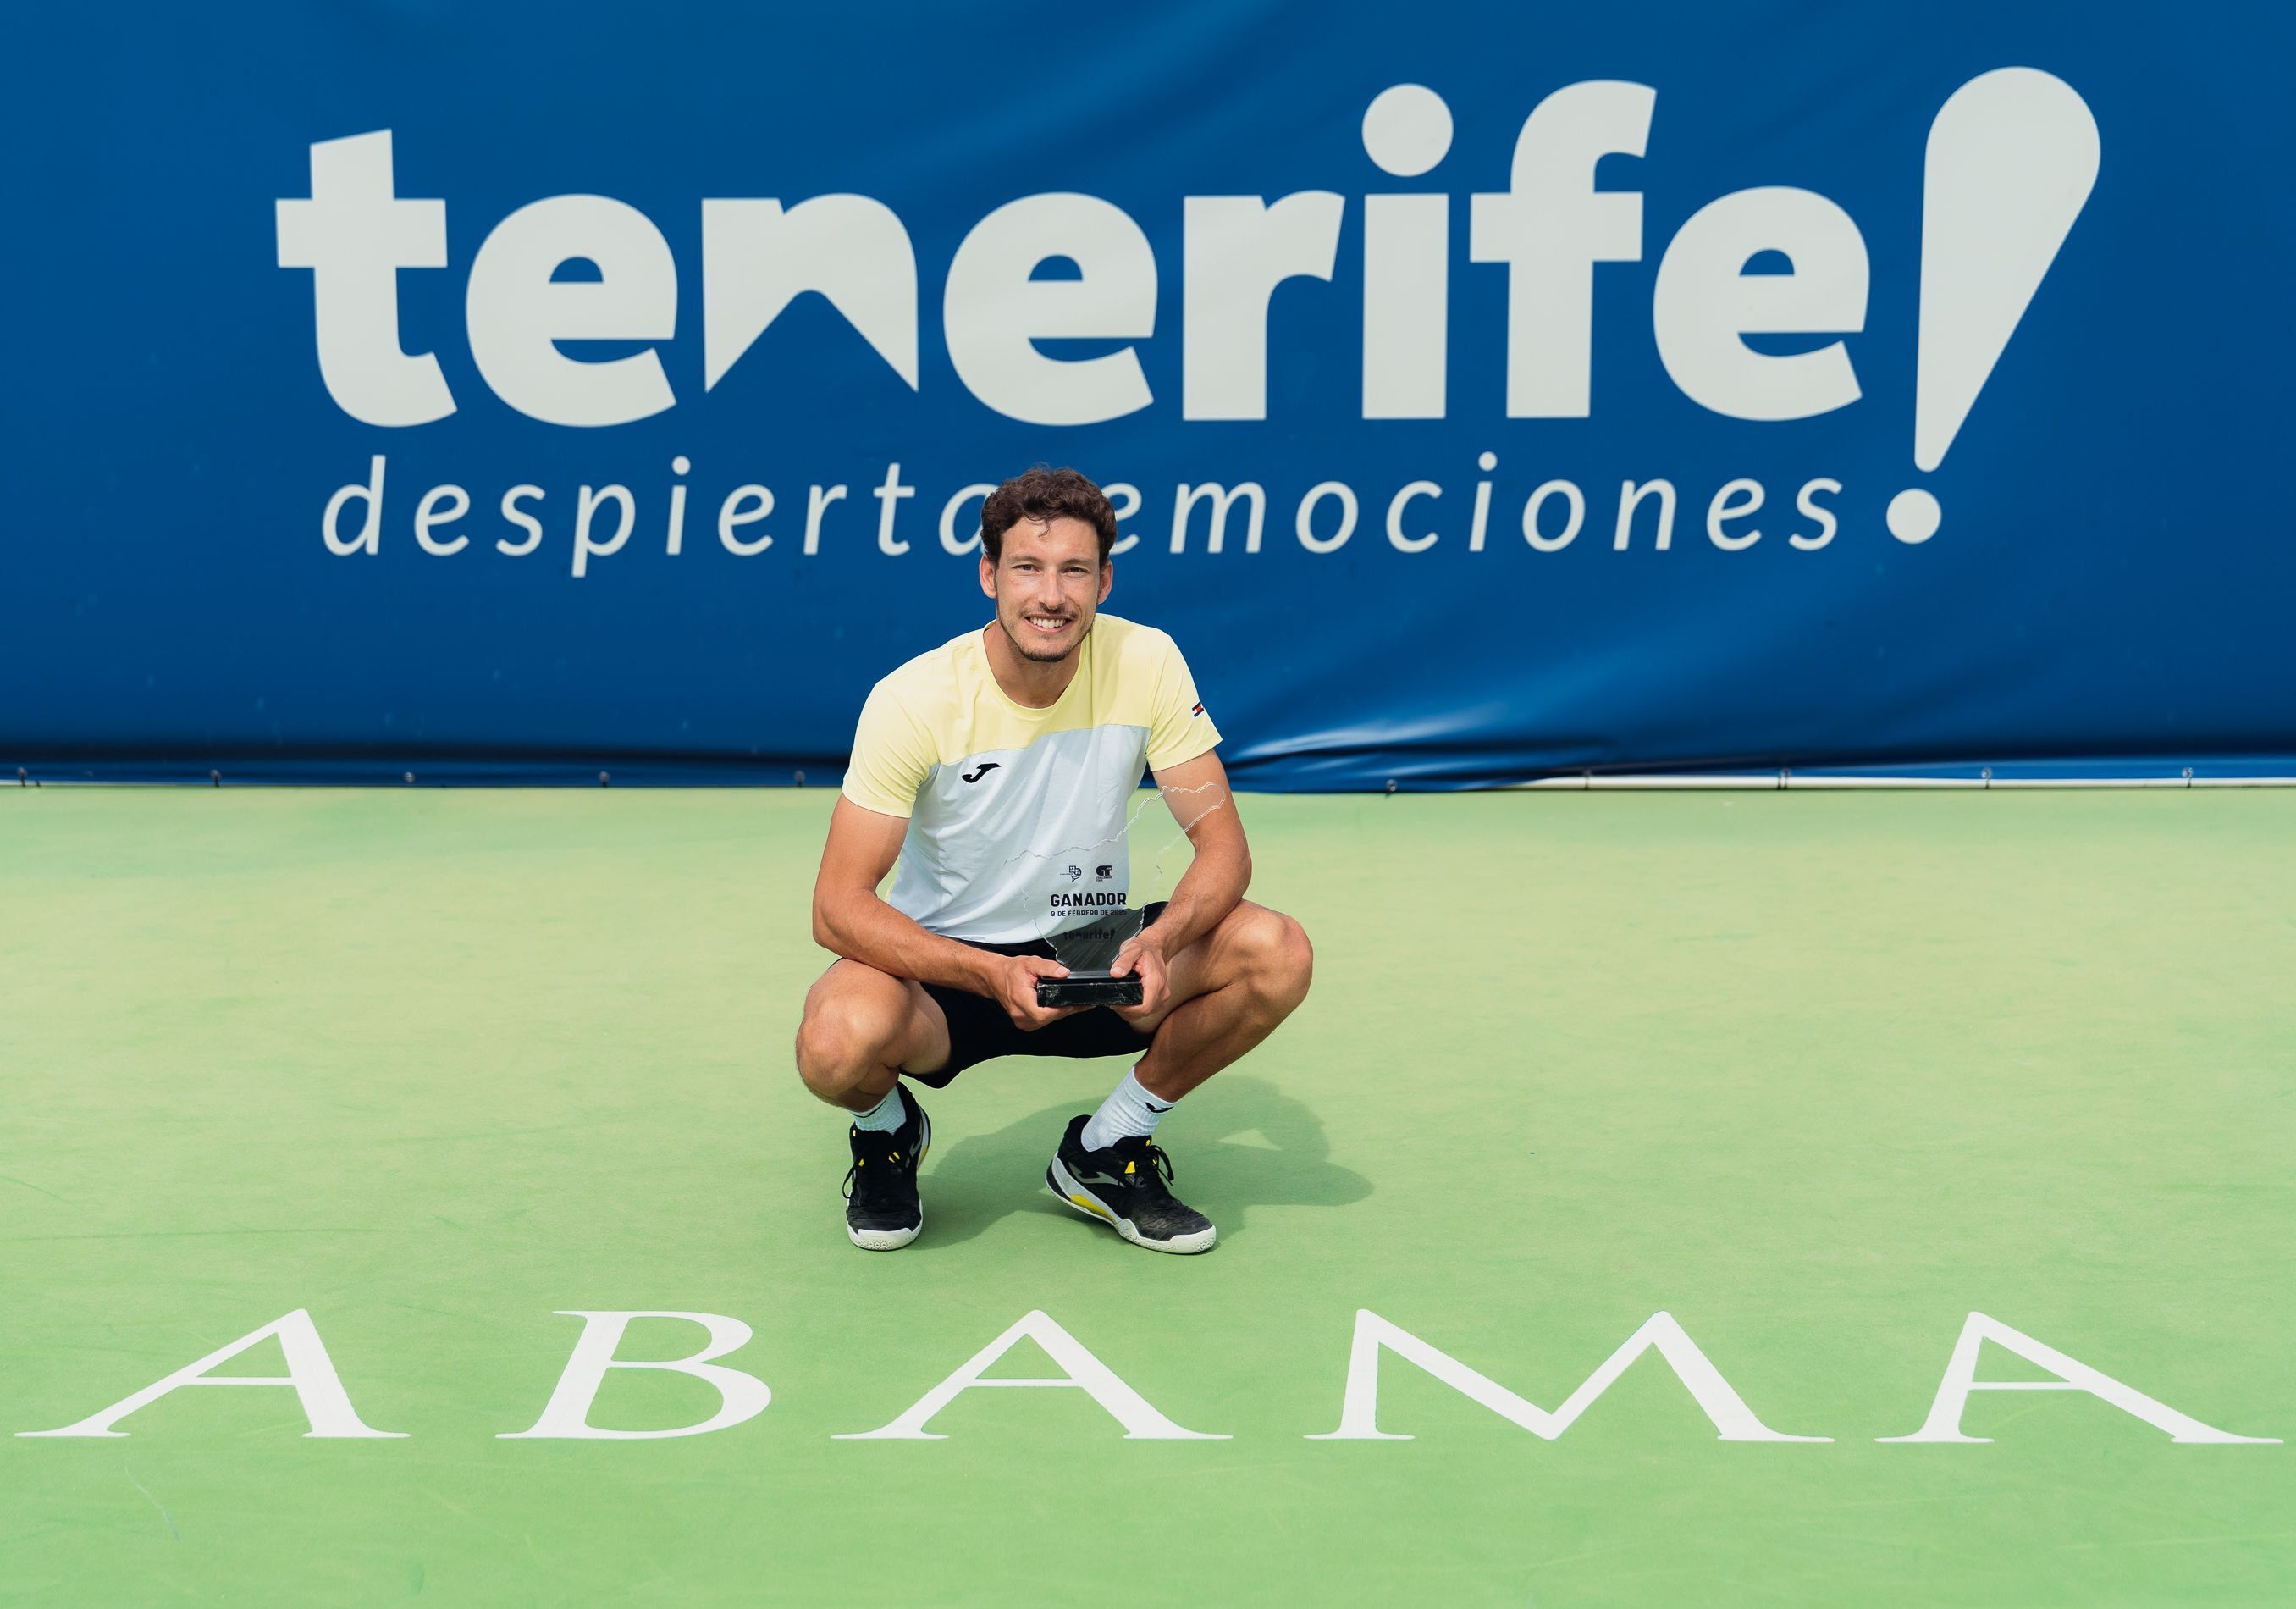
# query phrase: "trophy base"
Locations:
[[1088, 989]]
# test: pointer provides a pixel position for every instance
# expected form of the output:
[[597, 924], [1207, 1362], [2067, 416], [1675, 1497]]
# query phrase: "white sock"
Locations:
[[1128, 1110], [885, 1115]]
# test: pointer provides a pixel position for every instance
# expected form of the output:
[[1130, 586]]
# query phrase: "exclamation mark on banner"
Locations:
[[2012, 156]]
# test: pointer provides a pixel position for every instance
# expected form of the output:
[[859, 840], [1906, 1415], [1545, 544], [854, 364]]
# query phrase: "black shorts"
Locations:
[[979, 1030]]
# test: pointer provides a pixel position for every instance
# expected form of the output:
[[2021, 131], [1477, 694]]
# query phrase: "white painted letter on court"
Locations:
[[1359, 1412], [312, 1373], [1944, 1423], [1127, 1407], [567, 1415]]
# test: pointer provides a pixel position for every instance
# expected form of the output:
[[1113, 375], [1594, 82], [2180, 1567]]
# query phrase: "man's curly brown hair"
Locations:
[[1045, 494]]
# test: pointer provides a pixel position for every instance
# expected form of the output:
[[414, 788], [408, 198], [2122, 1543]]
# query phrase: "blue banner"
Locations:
[[1485, 390]]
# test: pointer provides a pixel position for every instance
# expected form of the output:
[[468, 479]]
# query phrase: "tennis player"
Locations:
[[999, 768]]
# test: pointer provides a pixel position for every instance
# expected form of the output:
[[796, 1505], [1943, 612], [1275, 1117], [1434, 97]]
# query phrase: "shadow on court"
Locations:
[[1252, 1146]]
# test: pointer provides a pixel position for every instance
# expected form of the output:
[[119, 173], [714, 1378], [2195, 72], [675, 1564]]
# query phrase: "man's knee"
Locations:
[[847, 1035], [1276, 956]]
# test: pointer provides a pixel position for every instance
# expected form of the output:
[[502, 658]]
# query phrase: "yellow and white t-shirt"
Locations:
[[1016, 816]]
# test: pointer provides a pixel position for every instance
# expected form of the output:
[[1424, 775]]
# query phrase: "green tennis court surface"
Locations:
[[1819, 1075]]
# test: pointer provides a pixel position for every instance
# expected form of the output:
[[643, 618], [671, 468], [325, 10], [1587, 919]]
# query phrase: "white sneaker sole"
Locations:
[[885, 1240], [893, 1240], [1063, 1185]]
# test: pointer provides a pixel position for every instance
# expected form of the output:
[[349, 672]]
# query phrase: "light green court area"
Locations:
[[1819, 1075]]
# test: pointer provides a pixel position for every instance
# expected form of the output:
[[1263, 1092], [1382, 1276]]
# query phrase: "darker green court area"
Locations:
[[1817, 1074]]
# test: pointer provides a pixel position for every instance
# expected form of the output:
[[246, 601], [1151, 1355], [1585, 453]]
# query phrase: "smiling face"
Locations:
[[1048, 581]]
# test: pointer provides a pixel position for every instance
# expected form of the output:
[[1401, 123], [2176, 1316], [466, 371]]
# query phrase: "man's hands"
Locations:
[[1142, 954], [1013, 986], [1012, 982]]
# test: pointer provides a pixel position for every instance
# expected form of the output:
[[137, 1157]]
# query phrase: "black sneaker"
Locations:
[[881, 1210], [1124, 1186]]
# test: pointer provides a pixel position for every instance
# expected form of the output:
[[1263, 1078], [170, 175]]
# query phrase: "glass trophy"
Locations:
[[1096, 897]]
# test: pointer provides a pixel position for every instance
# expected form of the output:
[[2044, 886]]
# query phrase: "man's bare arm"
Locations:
[[1197, 791], [849, 918]]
